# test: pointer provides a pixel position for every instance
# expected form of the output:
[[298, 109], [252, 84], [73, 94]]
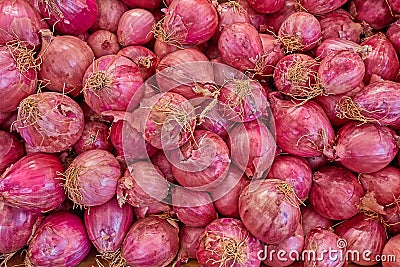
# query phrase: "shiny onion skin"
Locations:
[[266, 7], [362, 234], [320, 7], [393, 34], [274, 20], [392, 247], [107, 225], [95, 136], [151, 242], [11, 150], [65, 234], [376, 13], [188, 243], [331, 45], [109, 13], [103, 43], [273, 52], [270, 210], [144, 58], [135, 27], [71, 16], [365, 148], [160, 160], [91, 179], [226, 242], [311, 219], [146, 4], [49, 122]]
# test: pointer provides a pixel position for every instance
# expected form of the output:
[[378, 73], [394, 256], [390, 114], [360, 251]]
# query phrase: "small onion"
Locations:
[[109, 13], [376, 13], [146, 4], [160, 160], [188, 243], [135, 27], [11, 150], [319, 7], [266, 7], [275, 20], [311, 219], [393, 34], [391, 248], [103, 43], [144, 58], [95, 136]]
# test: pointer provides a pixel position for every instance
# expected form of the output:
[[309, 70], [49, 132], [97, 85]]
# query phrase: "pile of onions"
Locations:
[[33, 183], [60, 240], [103, 43], [109, 13], [151, 242], [135, 27], [227, 242], [391, 248], [319, 7], [91, 179], [188, 243], [144, 58], [95, 135], [311, 219], [376, 13], [11, 150]]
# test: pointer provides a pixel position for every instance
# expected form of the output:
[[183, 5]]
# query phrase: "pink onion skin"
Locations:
[[304, 27], [320, 7], [275, 20], [151, 242], [394, 5], [59, 123], [240, 46], [273, 52], [230, 13], [64, 62], [109, 13], [392, 219], [72, 17], [374, 12], [382, 60], [135, 27], [321, 241], [164, 165], [391, 248], [103, 43], [336, 193], [252, 147], [295, 171], [188, 242], [266, 7], [157, 208], [256, 19], [232, 231], [311, 219], [332, 45], [317, 162], [65, 233], [293, 122], [144, 58], [95, 136], [393, 34], [362, 234], [365, 148], [11, 150], [107, 225], [277, 214], [146, 4], [193, 208]]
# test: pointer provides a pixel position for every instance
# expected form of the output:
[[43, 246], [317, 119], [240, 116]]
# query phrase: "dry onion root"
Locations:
[[72, 185], [348, 109], [163, 35]]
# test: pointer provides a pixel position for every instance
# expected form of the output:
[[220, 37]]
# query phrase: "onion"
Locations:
[[162, 48], [107, 226], [91, 115], [64, 62], [11, 150], [188, 242], [376, 13], [270, 210], [146, 4], [91, 179], [145, 59], [160, 160], [300, 32], [112, 82], [193, 208], [391, 218], [301, 130], [266, 7], [252, 147], [273, 52], [394, 5], [275, 20], [317, 162], [226, 242], [60, 240], [393, 35], [109, 14], [391, 249], [365, 148], [103, 43], [151, 242], [318, 242], [257, 19], [142, 185], [95, 136], [230, 12], [69, 17], [319, 7], [294, 171], [135, 27], [157, 208], [363, 234], [331, 45], [311, 219]]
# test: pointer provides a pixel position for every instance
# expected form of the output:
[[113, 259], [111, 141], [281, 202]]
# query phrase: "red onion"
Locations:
[[162, 162], [376, 13], [266, 7], [394, 5], [336, 193], [275, 20], [69, 17], [135, 27], [319, 7], [300, 32], [226, 242], [273, 52], [294, 171], [142, 185], [311, 219], [363, 234], [252, 147], [331, 45], [188, 242], [301, 130], [64, 62], [229, 13], [317, 162], [393, 34], [365, 148], [107, 226], [60, 240], [318, 242], [95, 136], [270, 211], [11, 150], [151, 242], [162, 48], [91, 115], [112, 82], [257, 19], [91, 179], [146, 4], [193, 208], [391, 249], [103, 43], [157, 208], [50, 122], [145, 59], [391, 218], [109, 14]]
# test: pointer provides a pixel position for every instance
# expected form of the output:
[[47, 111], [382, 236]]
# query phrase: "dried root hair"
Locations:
[[72, 186], [164, 36], [290, 195], [4, 258], [98, 81], [52, 8], [145, 62], [27, 262], [113, 259]]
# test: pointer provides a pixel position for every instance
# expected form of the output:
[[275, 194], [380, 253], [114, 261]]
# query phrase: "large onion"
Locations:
[[11, 150], [311, 219]]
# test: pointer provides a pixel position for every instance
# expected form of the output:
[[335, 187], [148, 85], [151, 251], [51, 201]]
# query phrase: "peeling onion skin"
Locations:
[[320, 7], [109, 13], [311, 219], [392, 247], [374, 12], [11, 150]]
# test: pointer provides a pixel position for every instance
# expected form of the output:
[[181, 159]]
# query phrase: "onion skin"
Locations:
[[49, 122], [224, 232], [160, 160], [362, 234], [188, 242], [151, 242], [144, 58], [374, 12], [275, 20], [109, 13], [392, 219], [311, 219], [146, 4], [256, 19], [277, 213], [393, 34], [11, 150], [273, 52], [336, 193], [331, 45], [266, 7], [65, 233], [157, 208], [319, 7], [103, 43], [317, 162], [229, 13], [107, 225], [95, 136], [391, 248], [135, 27]]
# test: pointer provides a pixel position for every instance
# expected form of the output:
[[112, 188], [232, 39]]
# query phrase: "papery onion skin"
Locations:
[[107, 225], [311, 219], [135, 27], [65, 233], [151, 242], [266, 7], [229, 13], [160, 160], [109, 13], [319, 7], [95, 136], [269, 214], [157, 208], [11, 150], [188, 242], [331, 45], [218, 236], [376, 13], [273, 52], [393, 34], [144, 58], [391, 248], [146, 4], [275, 20], [49, 122], [103, 43], [365, 148]]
